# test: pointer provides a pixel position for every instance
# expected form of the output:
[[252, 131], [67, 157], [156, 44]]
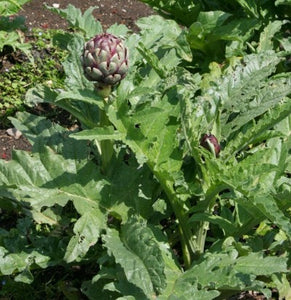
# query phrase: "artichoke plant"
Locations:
[[105, 60]]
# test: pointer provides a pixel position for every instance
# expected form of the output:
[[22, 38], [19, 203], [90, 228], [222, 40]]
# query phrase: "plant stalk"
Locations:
[[188, 243], [106, 146]]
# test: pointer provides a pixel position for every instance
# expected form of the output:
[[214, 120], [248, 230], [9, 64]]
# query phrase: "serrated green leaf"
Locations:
[[77, 103], [250, 7], [135, 270], [284, 127], [267, 35], [268, 206], [49, 177], [184, 12], [138, 194], [282, 284], [224, 271], [48, 184], [87, 231], [40, 131], [183, 47], [35, 126], [85, 22], [153, 60], [40, 94], [118, 30], [255, 177], [236, 30], [8, 38], [158, 33], [222, 222], [172, 272], [154, 123], [188, 289], [119, 285], [211, 28], [25, 277], [205, 23], [10, 263], [218, 271], [75, 78], [140, 240], [11, 7], [253, 171], [212, 19], [19, 262], [255, 263], [246, 92], [86, 96], [274, 116]]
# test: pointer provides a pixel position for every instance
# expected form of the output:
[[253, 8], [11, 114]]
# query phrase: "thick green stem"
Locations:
[[187, 239], [201, 237], [185, 250], [210, 196], [106, 146]]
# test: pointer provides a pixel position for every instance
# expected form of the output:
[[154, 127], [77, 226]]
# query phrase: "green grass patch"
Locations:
[[18, 76]]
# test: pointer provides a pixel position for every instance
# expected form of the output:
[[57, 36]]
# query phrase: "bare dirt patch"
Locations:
[[107, 12]]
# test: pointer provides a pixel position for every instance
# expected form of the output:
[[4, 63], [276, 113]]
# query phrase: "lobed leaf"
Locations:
[[226, 271], [87, 230], [256, 133], [268, 34], [85, 22], [135, 269], [11, 263], [11, 7], [75, 78], [255, 263]]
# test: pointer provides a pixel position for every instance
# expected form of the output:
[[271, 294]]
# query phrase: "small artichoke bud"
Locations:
[[210, 142], [105, 59]]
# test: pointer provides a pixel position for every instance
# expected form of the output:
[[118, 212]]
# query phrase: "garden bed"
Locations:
[[166, 179]]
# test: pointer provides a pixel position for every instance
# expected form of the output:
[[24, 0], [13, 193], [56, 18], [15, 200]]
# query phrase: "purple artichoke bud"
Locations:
[[209, 142], [105, 59]]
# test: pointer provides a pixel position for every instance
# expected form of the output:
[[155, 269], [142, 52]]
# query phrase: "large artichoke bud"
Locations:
[[105, 59]]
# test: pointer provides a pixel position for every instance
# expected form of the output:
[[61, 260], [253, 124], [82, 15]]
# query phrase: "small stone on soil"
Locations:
[[14, 133]]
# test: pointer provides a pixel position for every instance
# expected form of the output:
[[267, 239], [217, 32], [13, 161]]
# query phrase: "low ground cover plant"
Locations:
[[22, 74], [11, 28], [176, 185]]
